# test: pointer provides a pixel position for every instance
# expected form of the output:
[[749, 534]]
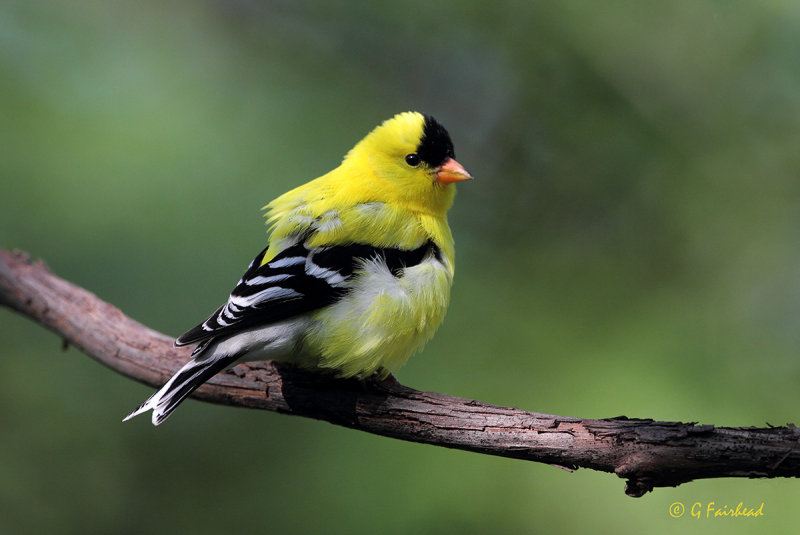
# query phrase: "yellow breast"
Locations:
[[382, 321]]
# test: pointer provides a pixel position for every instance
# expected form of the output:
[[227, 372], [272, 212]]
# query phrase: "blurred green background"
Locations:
[[630, 246]]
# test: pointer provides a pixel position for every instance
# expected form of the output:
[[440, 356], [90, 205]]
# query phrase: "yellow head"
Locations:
[[393, 189], [410, 161]]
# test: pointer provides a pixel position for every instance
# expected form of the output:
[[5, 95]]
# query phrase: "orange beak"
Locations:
[[451, 171]]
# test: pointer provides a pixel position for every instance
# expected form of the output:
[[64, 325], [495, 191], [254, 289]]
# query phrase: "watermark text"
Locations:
[[716, 510]]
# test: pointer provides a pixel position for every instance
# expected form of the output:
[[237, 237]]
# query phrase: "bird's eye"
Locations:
[[412, 160]]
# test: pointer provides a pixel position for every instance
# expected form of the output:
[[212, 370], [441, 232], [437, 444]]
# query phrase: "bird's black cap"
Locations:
[[435, 146]]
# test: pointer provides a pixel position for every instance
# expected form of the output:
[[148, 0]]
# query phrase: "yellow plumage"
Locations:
[[357, 273], [414, 207], [373, 197]]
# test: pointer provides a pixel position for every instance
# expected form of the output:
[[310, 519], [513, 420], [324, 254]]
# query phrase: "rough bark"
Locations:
[[646, 453]]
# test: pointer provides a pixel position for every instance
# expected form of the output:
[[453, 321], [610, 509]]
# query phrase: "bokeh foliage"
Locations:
[[630, 246]]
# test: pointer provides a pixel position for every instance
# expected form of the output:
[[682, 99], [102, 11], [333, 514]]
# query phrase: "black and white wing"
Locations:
[[299, 279], [286, 286]]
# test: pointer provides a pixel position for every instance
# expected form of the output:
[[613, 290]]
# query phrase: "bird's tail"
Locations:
[[196, 372]]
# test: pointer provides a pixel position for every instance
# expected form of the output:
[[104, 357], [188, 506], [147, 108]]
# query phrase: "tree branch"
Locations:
[[647, 453]]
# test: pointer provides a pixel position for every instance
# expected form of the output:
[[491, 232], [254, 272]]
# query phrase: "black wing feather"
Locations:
[[298, 280]]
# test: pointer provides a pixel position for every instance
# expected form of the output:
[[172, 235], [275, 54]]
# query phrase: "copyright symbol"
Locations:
[[676, 510]]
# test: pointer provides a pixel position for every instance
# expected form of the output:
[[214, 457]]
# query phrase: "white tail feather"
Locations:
[[275, 341], [183, 383]]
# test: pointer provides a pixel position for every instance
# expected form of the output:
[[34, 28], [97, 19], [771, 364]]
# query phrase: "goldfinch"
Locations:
[[357, 272]]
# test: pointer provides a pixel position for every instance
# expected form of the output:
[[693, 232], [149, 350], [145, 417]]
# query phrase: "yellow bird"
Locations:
[[356, 275]]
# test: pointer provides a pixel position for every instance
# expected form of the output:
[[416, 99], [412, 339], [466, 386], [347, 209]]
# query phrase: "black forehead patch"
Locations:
[[435, 146]]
